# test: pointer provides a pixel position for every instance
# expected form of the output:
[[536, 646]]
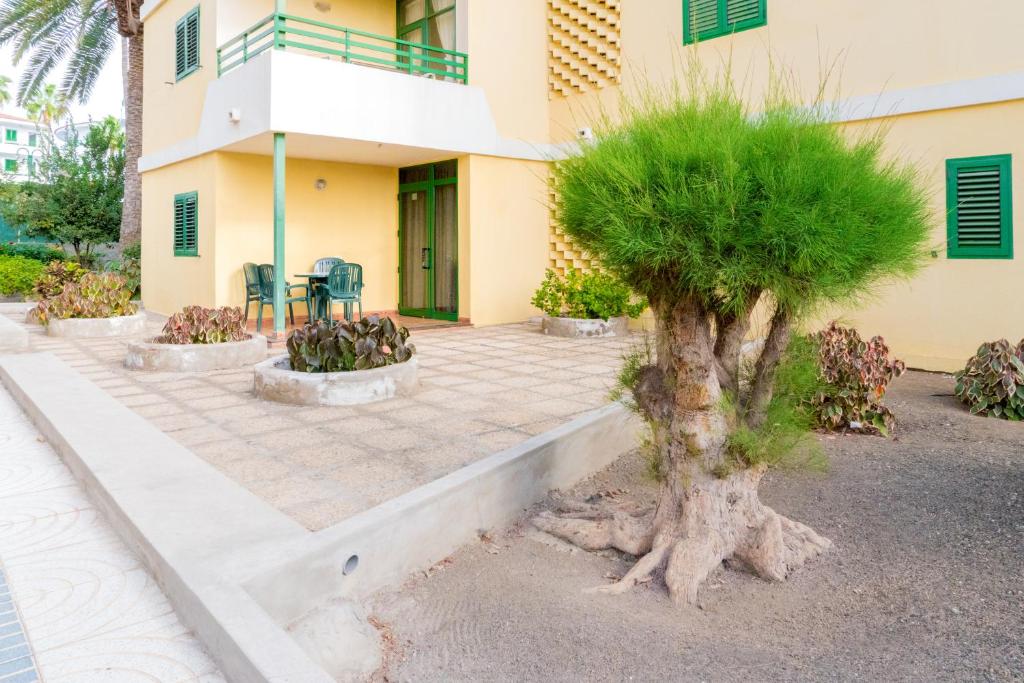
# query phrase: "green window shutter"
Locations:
[[186, 224], [186, 44], [979, 207], [12, 135], [33, 140], [31, 166], [705, 19], [11, 165]]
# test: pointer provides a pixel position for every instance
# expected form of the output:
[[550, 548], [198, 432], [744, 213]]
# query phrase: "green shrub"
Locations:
[[131, 270], [132, 251], [855, 375], [372, 342], [33, 250], [18, 275], [993, 381], [198, 325], [56, 275], [589, 295], [95, 295]]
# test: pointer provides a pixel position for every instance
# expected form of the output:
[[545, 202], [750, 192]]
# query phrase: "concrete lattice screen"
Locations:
[[583, 45], [563, 254]]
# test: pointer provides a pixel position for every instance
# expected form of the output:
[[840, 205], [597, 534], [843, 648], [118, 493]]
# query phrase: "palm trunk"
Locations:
[[131, 215], [707, 510]]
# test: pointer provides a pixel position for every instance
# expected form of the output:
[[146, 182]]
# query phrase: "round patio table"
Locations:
[[315, 279]]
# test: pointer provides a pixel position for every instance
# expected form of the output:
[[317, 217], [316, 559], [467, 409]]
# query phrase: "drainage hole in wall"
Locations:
[[350, 565]]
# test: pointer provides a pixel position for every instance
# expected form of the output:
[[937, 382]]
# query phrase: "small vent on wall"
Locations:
[[583, 45]]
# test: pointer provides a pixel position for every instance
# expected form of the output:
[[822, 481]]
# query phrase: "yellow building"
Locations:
[[412, 137]]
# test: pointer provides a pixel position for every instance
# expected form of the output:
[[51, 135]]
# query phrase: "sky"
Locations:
[[106, 96]]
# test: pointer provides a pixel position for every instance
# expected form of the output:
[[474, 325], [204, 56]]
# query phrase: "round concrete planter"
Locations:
[[584, 327], [150, 355], [83, 328], [275, 381]]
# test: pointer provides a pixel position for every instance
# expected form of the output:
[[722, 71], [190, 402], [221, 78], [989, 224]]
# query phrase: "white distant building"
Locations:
[[19, 147]]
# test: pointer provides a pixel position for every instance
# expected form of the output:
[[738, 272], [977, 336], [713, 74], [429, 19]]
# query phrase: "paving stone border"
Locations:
[[276, 381], [88, 328], [585, 327], [154, 356], [13, 338]]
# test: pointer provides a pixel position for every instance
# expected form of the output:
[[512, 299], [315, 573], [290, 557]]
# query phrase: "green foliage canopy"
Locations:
[[695, 196]]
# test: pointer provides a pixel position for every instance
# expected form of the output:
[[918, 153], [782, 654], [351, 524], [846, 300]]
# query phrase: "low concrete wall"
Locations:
[[13, 337], [89, 328], [275, 381], [149, 355], [422, 527], [584, 327], [199, 532]]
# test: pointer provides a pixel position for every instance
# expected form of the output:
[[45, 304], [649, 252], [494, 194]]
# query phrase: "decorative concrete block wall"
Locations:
[[563, 254], [583, 45]]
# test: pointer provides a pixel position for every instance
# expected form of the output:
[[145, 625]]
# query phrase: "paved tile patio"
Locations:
[[483, 390], [75, 605]]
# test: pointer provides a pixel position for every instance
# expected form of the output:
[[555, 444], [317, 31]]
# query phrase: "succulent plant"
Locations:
[[56, 276], [372, 342], [857, 374], [993, 381], [198, 325], [95, 295]]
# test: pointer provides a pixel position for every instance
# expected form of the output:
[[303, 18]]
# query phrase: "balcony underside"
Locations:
[[335, 111]]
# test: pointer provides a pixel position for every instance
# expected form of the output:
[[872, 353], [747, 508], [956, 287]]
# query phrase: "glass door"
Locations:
[[428, 22], [428, 241]]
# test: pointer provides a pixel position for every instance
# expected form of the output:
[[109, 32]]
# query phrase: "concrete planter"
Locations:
[[275, 381], [584, 327], [150, 355], [83, 328]]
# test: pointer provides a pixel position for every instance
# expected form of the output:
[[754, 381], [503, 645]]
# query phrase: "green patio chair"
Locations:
[[344, 284], [266, 281], [323, 266], [252, 285]]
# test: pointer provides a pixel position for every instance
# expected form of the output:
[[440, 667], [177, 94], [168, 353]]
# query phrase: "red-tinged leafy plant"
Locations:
[[56, 276], [95, 295], [372, 342], [198, 325], [857, 374], [993, 381]]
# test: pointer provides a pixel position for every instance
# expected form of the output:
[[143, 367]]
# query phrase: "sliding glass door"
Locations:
[[428, 241]]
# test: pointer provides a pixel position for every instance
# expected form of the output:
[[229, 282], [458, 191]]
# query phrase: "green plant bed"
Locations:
[[586, 296], [18, 276]]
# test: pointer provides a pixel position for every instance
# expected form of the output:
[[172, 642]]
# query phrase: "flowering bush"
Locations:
[[857, 374], [993, 381]]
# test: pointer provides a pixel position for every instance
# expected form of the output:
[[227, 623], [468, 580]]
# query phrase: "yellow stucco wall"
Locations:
[[354, 217], [937, 320], [168, 281], [507, 231]]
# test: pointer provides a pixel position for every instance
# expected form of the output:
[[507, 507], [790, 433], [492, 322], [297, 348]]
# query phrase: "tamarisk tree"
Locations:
[[707, 209]]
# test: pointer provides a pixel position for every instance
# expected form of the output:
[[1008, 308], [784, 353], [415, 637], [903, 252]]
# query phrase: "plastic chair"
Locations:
[[266, 284], [323, 266], [252, 285], [344, 284]]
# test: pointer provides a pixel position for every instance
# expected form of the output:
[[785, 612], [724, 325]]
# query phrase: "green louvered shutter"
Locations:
[[186, 224], [704, 19], [186, 44], [979, 207]]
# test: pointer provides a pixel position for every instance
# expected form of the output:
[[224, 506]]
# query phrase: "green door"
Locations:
[[428, 241]]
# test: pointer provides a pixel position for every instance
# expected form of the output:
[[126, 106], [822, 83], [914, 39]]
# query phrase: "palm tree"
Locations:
[[5, 91], [82, 34], [47, 106]]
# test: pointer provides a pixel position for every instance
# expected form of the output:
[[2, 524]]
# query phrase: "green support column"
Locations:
[[279, 271]]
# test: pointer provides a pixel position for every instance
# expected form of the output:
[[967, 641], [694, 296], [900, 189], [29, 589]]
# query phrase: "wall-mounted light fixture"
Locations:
[[320, 184], [322, 6]]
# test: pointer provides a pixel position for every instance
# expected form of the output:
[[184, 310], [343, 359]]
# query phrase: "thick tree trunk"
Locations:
[[706, 512], [131, 216]]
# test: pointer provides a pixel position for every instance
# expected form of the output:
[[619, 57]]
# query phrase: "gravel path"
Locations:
[[925, 583]]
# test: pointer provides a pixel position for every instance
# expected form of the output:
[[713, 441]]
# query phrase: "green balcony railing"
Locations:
[[285, 31]]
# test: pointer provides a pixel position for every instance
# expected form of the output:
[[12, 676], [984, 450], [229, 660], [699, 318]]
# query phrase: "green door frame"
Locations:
[[428, 187], [423, 25]]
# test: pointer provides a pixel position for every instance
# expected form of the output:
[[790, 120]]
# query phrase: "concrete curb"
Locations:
[[275, 381], [149, 355], [422, 527], [584, 327], [90, 328], [197, 530]]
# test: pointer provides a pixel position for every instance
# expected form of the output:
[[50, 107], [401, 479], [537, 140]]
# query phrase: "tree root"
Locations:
[[594, 528]]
